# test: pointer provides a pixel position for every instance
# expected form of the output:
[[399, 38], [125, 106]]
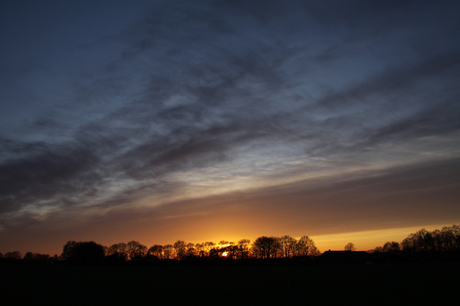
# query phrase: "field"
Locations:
[[388, 284]]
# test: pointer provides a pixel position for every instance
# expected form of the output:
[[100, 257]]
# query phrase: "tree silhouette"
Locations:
[[200, 249], [190, 249], [156, 250], [180, 247], [376, 250], [118, 250], [232, 250], [306, 247], [29, 256], [266, 247], [243, 248], [87, 252], [350, 247], [448, 239], [391, 247], [13, 255], [135, 249], [208, 246], [168, 251], [288, 246], [422, 241]]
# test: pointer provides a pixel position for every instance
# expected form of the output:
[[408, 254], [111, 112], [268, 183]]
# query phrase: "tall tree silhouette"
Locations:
[[180, 247], [265, 247], [168, 251], [243, 248], [287, 246], [306, 247]]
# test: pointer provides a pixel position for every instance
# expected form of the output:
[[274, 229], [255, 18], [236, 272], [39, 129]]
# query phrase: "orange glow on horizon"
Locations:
[[366, 240]]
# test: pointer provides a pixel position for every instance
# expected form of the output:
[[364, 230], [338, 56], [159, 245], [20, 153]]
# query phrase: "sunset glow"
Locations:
[[216, 121]]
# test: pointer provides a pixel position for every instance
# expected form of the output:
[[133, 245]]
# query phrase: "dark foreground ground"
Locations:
[[385, 284]]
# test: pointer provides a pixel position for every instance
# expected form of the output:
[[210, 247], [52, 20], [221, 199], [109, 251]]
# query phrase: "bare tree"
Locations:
[[448, 239], [306, 247], [191, 251], [168, 251], [232, 250], [392, 246], [350, 247], [200, 249], [180, 247], [135, 249], [243, 248], [420, 241], [119, 250], [266, 247], [287, 246], [156, 250]]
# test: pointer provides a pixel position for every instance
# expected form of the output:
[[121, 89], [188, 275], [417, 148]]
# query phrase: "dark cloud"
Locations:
[[45, 176], [239, 87]]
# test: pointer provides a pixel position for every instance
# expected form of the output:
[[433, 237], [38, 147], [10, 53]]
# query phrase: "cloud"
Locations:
[[415, 195], [45, 176], [237, 87]]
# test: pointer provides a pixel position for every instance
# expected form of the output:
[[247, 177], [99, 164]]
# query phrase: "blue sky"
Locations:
[[135, 117]]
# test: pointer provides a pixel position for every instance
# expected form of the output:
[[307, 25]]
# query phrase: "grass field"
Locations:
[[389, 284]]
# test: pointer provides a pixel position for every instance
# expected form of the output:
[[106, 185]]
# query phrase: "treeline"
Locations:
[[89, 252], [262, 248], [445, 240], [15, 255]]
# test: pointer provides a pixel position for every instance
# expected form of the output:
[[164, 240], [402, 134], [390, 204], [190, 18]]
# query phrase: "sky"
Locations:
[[221, 120]]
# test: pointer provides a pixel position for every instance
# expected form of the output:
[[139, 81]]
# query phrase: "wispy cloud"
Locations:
[[213, 93]]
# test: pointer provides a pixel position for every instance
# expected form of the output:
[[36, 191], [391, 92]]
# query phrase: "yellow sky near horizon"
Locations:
[[367, 240]]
